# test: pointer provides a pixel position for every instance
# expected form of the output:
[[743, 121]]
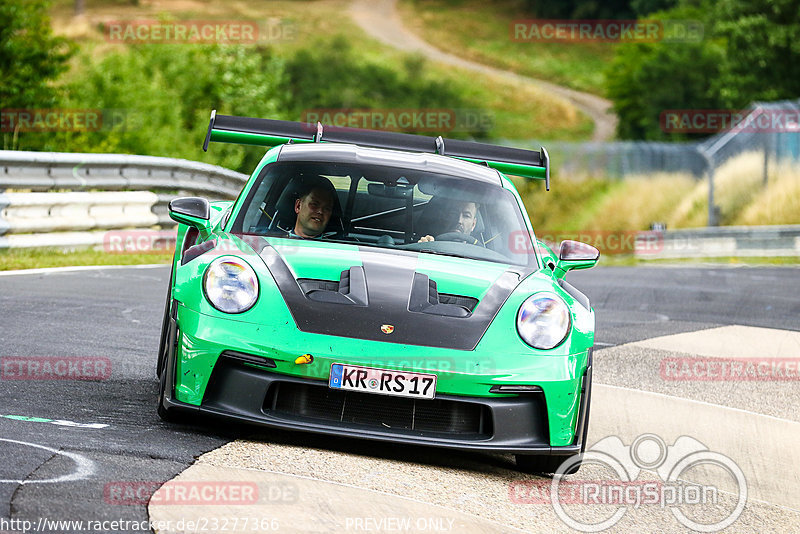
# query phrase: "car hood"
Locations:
[[387, 295]]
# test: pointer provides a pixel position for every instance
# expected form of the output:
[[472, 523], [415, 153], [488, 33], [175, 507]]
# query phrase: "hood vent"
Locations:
[[350, 289], [425, 298]]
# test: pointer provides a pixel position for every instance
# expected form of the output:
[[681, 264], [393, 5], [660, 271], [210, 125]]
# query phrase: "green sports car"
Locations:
[[383, 286]]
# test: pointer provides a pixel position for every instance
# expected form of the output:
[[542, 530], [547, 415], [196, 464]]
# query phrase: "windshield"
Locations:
[[386, 206]]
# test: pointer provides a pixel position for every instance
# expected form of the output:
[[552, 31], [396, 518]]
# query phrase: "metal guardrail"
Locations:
[[721, 241], [108, 193], [48, 171], [104, 192]]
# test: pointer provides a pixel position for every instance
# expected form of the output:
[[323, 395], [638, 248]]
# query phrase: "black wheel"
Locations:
[[547, 464], [162, 344], [163, 413], [171, 416], [169, 336]]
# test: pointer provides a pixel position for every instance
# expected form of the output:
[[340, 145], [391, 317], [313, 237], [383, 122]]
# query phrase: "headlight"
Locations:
[[230, 285], [543, 321]]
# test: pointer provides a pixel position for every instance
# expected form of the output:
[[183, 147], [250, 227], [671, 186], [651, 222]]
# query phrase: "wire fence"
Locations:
[[770, 128]]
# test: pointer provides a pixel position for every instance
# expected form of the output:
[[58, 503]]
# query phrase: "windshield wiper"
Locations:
[[439, 253]]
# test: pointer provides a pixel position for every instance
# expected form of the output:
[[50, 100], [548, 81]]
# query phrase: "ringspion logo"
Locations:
[[623, 490]]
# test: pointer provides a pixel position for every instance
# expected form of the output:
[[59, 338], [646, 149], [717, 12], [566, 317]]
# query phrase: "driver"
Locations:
[[314, 209], [467, 217]]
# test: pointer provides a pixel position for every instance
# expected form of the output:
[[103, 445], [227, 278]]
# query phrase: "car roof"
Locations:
[[353, 154]]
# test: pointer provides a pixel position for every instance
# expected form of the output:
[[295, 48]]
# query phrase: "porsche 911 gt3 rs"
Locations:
[[381, 286]]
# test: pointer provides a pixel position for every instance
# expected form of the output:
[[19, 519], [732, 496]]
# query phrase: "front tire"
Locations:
[[162, 344], [169, 336]]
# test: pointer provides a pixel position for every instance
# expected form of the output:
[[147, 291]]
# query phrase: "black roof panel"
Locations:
[[418, 161]]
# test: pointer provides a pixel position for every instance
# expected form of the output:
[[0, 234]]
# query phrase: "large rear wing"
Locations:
[[268, 132]]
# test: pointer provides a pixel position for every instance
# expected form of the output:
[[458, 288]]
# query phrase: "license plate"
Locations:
[[382, 381]]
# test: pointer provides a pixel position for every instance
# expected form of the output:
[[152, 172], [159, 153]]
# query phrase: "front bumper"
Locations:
[[233, 387]]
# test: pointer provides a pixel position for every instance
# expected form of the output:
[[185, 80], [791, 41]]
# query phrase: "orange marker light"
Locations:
[[305, 358]]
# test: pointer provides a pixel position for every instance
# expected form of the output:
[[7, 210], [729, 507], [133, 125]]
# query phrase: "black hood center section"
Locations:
[[396, 295]]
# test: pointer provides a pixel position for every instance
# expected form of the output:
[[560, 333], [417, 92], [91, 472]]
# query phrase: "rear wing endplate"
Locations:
[[269, 133]]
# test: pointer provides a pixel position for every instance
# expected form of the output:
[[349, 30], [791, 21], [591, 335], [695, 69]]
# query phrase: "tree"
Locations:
[[762, 42], [750, 51], [31, 57], [580, 9], [646, 79]]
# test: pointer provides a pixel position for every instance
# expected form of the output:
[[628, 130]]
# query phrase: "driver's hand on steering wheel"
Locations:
[[425, 239]]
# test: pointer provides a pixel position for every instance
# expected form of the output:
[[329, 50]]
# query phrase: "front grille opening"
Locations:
[[379, 412]]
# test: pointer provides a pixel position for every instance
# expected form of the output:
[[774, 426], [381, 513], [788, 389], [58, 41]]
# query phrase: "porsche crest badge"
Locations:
[[387, 328]]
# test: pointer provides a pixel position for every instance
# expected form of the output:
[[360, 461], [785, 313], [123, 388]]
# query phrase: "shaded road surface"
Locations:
[[67, 445]]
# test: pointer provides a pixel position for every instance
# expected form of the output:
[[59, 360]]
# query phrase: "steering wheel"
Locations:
[[457, 236]]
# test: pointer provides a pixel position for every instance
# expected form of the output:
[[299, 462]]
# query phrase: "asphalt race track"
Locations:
[[67, 445]]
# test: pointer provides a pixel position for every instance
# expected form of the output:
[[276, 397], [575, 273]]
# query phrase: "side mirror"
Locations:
[[574, 255], [193, 211]]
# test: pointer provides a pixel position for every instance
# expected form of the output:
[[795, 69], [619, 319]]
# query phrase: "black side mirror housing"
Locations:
[[192, 211], [573, 255]]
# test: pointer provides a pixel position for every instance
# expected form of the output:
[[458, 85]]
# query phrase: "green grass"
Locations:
[[481, 31], [13, 259], [570, 205], [518, 112], [759, 261], [42, 258]]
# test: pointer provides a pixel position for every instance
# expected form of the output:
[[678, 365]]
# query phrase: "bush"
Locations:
[[745, 55], [331, 75], [160, 97]]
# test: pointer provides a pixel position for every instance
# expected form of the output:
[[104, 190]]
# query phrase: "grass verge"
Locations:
[[733, 261], [604, 204], [13, 259], [43, 258]]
